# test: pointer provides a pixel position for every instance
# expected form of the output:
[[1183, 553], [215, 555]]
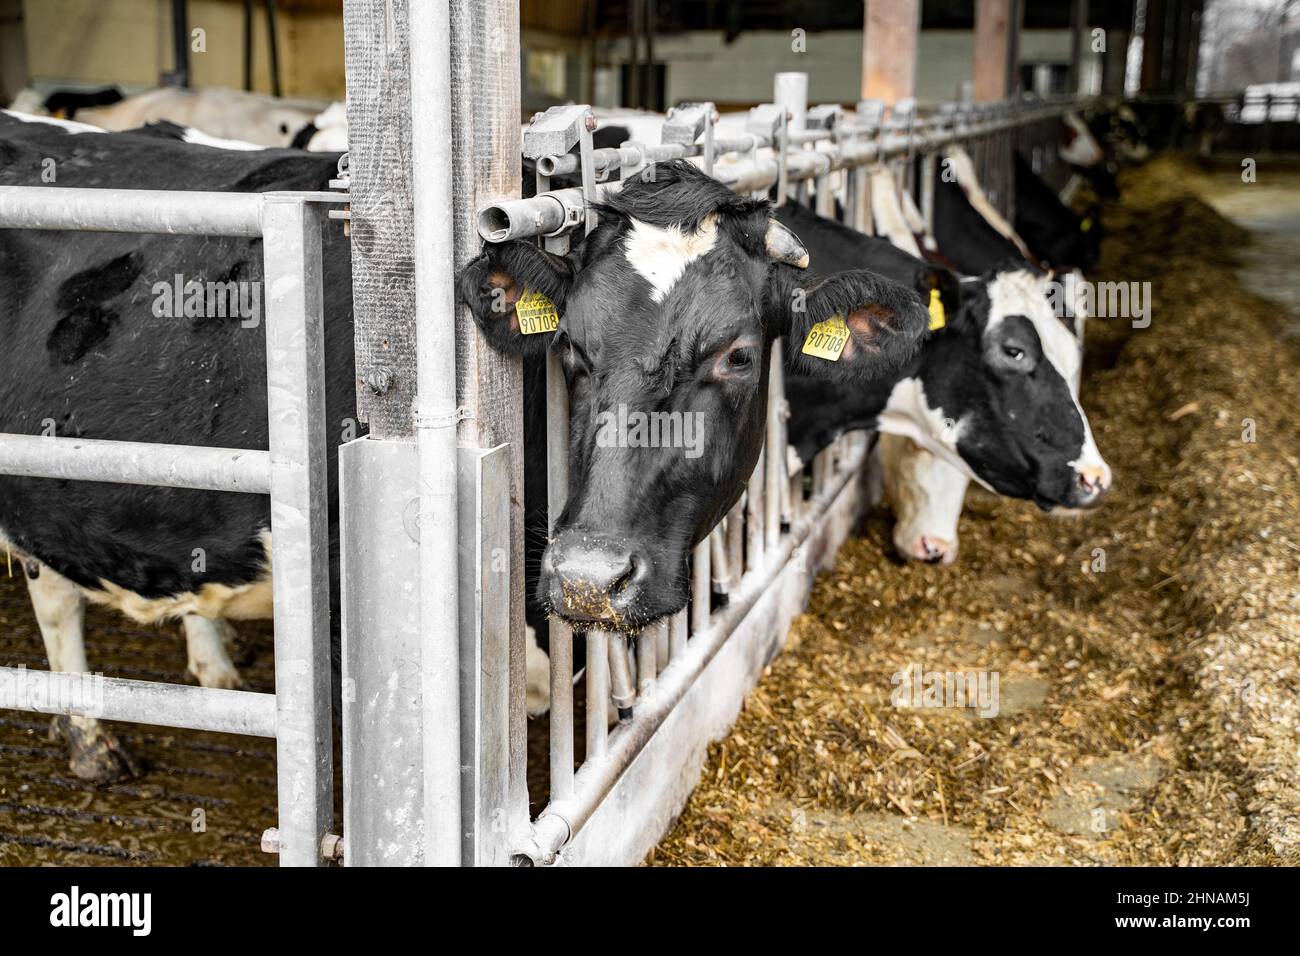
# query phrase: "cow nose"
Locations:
[[592, 580], [1094, 482], [932, 550]]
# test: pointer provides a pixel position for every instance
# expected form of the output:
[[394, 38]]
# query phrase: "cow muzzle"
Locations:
[[590, 579]]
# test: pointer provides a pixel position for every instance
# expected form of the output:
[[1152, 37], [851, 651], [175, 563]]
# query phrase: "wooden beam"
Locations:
[[1154, 74], [997, 28], [889, 38]]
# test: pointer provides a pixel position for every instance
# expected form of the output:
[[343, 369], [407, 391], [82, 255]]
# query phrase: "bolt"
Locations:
[[590, 122]]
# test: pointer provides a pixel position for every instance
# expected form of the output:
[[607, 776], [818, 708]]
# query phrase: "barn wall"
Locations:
[[128, 42], [703, 66]]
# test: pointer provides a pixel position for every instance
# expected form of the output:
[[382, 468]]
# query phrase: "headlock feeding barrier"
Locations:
[[435, 733]]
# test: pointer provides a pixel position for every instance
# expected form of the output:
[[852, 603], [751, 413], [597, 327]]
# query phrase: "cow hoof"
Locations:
[[95, 756], [224, 676]]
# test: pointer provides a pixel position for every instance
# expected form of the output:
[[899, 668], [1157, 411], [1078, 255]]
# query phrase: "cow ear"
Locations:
[[854, 326], [516, 293], [940, 291]]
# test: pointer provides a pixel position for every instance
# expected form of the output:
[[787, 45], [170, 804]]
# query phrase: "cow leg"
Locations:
[[60, 607], [209, 661]]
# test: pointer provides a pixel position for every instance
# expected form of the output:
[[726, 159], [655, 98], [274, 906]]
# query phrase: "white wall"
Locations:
[[702, 66]]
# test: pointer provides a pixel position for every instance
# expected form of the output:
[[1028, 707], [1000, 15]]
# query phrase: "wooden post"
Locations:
[[486, 166], [889, 38], [997, 25]]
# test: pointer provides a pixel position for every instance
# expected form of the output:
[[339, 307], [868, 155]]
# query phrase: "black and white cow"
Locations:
[[989, 393], [1059, 238], [671, 304], [926, 492]]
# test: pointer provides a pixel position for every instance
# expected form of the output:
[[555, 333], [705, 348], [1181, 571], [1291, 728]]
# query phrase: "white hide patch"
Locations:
[[908, 413], [964, 170], [887, 211], [662, 255], [925, 492], [70, 125], [1023, 293], [200, 138], [1083, 149]]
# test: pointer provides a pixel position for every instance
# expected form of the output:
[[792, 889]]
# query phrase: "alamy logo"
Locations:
[[74, 908], [1102, 300], [625, 429], [193, 299], [81, 695], [915, 687]]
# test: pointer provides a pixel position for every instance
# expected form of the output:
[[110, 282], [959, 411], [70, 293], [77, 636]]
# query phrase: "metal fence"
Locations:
[[292, 472], [679, 684]]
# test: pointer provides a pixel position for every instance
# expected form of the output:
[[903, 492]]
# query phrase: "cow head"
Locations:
[[668, 311], [996, 395]]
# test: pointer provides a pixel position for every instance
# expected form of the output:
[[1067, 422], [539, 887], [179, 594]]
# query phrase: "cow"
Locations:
[[671, 303], [926, 492], [237, 115], [1058, 237], [989, 393]]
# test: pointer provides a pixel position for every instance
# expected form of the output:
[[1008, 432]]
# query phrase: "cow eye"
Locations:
[[1013, 353], [735, 362]]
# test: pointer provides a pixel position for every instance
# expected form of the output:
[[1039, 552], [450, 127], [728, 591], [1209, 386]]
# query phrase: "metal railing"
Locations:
[[292, 472], [789, 519]]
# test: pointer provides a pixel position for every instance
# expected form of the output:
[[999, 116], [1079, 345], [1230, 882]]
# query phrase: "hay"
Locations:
[[1149, 711]]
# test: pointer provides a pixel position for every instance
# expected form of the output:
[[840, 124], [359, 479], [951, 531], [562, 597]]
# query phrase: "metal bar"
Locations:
[[678, 629], [735, 545], [597, 692], [754, 515], [295, 387], [718, 558], [171, 212], [663, 641], [180, 74], [647, 653], [274, 45], [435, 426], [136, 463], [775, 454], [140, 702], [701, 597], [621, 691], [928, 168]]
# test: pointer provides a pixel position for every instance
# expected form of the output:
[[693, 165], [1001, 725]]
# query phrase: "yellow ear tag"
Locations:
[[826, 340], [1086, 224], [536, 313], [937, 317]]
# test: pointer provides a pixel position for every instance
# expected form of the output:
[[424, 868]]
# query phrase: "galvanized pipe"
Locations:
[[435, 426], [678, 629], [171, 212], [142, 702], [136, 463], [621, 691], [754, 515], [647, 653], [774, 453], [295, 390], [597, 692], [701, 598]]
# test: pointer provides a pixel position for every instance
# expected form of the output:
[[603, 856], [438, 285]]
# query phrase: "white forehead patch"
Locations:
[[662, 255], [1023, 293]]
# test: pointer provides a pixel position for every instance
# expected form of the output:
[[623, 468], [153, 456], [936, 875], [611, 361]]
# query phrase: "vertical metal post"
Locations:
[[435, 424], [774, 453], [295, 360], [755, 515], [598, 690], [701, 596]]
